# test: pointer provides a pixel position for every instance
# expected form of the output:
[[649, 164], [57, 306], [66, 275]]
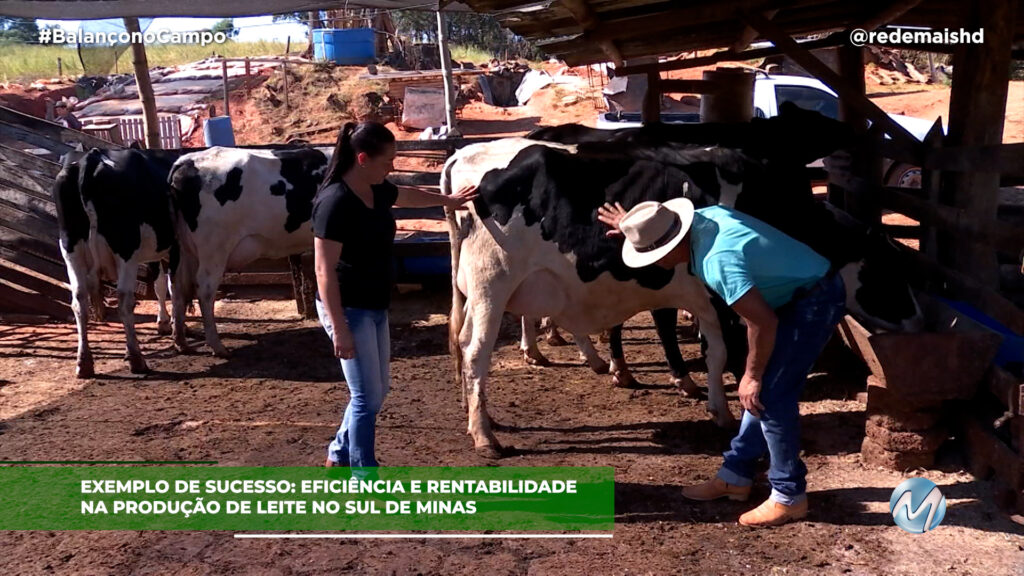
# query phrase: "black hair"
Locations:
[[371, 138]]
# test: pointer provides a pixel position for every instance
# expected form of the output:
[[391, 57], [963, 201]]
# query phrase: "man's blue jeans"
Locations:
[[805, 326], [369, 378]]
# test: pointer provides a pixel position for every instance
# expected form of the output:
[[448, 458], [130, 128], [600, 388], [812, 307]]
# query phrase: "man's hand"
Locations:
[[344, 344], [458, 200], [750, 395], [610, 216]]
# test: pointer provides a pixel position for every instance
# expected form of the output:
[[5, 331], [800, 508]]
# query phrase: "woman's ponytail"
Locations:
[[368, 137]]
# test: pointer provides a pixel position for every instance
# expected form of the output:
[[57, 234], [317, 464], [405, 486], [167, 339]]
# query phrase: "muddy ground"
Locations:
[[277, 402]]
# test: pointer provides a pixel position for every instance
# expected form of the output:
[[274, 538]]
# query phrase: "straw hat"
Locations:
[[653, 229]]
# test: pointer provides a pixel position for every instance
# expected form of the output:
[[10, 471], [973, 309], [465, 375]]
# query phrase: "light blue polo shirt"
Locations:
[[732, 252]]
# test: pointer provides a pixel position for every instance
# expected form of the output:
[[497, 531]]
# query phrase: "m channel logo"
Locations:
[[917, 505]]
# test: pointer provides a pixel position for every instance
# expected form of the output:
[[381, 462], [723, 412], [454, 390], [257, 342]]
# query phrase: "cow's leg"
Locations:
[[478, 338], [531, 353], [163, 319], [80, 306], [127, 272], [208, 280], [551, 334], [710, 327], [665, 324], [589, 354], [179, 303], [621, 376]]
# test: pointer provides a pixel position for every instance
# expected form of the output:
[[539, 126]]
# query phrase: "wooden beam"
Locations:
[[888, 14], [446, 68], [651, 112], [749, 34], [977, 107], [27, 301], [57, 135], [689, 87], [1006, 159], [1003, 236], [819, 69], [931, 185], [589, 21], [150, 122], [830, 41]]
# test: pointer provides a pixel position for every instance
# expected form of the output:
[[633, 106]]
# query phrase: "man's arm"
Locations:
[[762, 324]]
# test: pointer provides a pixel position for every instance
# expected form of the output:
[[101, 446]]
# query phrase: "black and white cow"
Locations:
[[532, 245], [113, 213], [235, 206], [878, 291]]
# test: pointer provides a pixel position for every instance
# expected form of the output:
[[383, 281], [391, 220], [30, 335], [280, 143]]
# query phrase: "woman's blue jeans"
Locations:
[[805, 326], [369, 378]]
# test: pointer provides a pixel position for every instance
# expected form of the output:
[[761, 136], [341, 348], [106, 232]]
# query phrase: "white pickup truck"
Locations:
[[770, 91]]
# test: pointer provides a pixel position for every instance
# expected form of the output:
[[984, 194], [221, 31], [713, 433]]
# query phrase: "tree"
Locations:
[[19, 30], [227, 26]]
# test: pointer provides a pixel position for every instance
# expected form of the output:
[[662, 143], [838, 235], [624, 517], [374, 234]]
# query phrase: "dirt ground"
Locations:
[[278, 399]]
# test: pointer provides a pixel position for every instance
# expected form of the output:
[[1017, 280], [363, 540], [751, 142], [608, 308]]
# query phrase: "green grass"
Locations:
[[471, 54], [28, 62]]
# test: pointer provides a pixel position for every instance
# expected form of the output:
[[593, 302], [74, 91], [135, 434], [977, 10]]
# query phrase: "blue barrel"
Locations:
[[348, 47], [217, 131]]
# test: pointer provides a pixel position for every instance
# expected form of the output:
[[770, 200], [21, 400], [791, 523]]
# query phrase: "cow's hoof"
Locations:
[[221, 352], [138, 366], [491, 452], [623, 380], [602, 368], [724, 419], [184, 349], [85, 371], [555, 339], [536, 360], [686, 386], [164, 328]]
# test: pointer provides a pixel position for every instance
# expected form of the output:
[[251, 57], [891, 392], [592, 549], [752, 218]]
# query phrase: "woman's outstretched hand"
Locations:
[[610, 216], [458, 200]]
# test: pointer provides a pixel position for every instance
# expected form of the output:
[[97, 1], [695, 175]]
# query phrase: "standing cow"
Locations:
[[532, 246], [113, 213], [235, 206]]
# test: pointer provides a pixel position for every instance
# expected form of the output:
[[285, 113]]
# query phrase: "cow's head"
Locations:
[[802, 136], [878, 291]]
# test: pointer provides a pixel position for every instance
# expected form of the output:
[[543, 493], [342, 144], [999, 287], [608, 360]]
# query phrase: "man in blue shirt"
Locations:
[[790, 302]]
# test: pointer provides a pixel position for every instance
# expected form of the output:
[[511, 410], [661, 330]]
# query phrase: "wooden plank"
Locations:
[[888, 14], [820, 70], [30, 161], [1006, 159], [25, 184], [43, 287], [415, 178], [443, 145], [33, 139], [901, 231], [28, 224], [931, 186], [31, 261], [431, 213], [1000, 235], [589, 21], [48, 250], [50, 130], [689, 87], [19, 301], [29, 203]]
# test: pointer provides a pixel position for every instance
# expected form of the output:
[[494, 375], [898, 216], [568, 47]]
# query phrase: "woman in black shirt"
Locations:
[[354, 232]]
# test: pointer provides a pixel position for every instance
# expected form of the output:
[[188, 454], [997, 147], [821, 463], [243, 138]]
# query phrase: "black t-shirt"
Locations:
[[367, 237]]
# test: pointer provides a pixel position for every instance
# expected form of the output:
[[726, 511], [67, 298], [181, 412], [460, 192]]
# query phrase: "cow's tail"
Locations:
[[184, 258], [458, 313]]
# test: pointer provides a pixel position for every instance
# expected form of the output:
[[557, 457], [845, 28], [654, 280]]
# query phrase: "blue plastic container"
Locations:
[[1011, 350], [217, 131], [348, 47]]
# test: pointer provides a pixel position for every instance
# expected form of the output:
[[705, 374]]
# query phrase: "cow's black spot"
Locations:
[[127, 189], [303, 170], [231, 189], [186, 185], [561, 192], [72, 219]]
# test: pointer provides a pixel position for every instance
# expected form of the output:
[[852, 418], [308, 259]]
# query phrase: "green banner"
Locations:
[[318, 499]]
